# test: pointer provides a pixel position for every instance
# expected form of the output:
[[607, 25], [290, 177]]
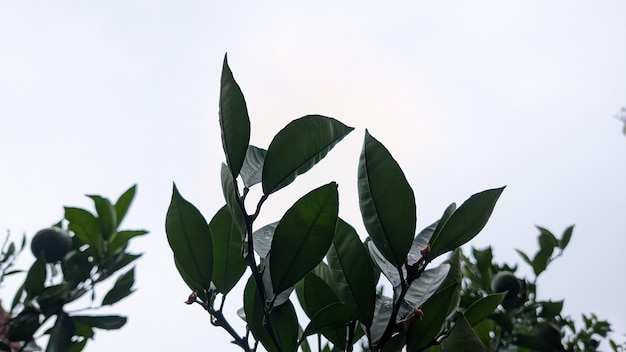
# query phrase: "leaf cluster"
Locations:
[[98, 253], [311, 250]]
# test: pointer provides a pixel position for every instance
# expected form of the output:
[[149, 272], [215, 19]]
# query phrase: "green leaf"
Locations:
[[62, 332], [53, 298], [36, 277], [382, 315], [550, 310], [421, 332], [483, 307], [462, 338], [106, 322], [262, 239], [334, 315], [107, 217], [234, 121], [466, 222], [298, 147], [387, 202], [123, 203], [524, 257], [252, 169], [190, 239], [231, 195], [352, 270], [283, 319], [228, 264], [303, 236], [567, 235], [122, 288], [423, 288], [121, 238], [85, 226]]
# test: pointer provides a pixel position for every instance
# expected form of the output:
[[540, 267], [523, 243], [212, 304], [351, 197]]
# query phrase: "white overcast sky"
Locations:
[[98, 95]]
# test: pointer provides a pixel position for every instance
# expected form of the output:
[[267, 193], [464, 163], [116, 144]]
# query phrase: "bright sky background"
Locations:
[[97, 96]]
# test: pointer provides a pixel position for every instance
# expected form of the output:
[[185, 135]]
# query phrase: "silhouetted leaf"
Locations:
[[303, 236], [107, 216], [85, 226], [106, 322], [466, 222], [234, 121], [189, 237], [298, 147], [483, 307], [567, 235], [228, 264], [231, 195], [387, 202], [36, 277], [62, 332], [352, 270], [332, 316], [121, 238], [422, 332], [123, 203], [122, 288]]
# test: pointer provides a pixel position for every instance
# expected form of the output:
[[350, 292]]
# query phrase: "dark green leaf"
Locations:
[[550, 309], [420, 242], [332, 316], [423, 288], [524, 257], [78, 346], [483, 307], [387, 202], [234, 121], [122, 288], [228, 264], [382, 315], [121, 238], [62, 332], [53, 298], [231, 195], [303, 236], [85, 226], [283, 319], [298, 147], [106, 322], [466, 222], [352, 270], [123, 203], [190, 239], [36, 277], [252, 169], [462, 338], [567, 235], [107, 217], [422, 332], [4, 347], [24, 325]]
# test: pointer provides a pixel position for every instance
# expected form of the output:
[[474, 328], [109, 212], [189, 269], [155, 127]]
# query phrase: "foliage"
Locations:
[[315, 253], [523, 322], [97, 254]]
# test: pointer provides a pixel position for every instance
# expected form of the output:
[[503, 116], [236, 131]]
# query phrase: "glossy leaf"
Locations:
[[424, 287], [303, 236], [298, 147], [252, 168], [123, 203], [382, 315], [228, 264], [387, 202], [107, 216], [483, 307], [466, 222], [85, 226], [231, 195], [234, 121], [262, 239], [352, 270], [386, 268], [189, 237], [462, 338], [421, 332], [277, 298], [36, 277], [123, 287], [105, 322], [62, 332], [420, 242]]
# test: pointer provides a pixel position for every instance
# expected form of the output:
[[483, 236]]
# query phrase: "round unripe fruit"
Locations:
[[53, 242], [548, 333], [505, 281]]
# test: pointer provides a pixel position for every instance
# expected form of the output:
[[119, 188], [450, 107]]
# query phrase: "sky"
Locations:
[[467, 96]]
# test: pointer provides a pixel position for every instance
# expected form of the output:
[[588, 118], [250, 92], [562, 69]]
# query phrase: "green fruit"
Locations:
[[505, 281], [548, 333], [54, 242]]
